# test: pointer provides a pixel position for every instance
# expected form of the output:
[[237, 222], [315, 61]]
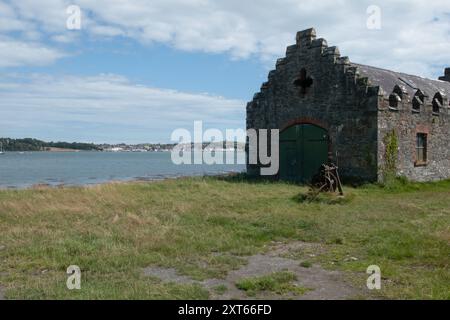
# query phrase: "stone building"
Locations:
[[367, 120]]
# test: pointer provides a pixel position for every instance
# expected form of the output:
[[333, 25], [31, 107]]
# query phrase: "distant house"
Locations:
[[365, 119]]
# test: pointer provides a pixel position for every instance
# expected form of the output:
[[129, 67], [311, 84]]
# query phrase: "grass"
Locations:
[[204, 227], [279, 282], [221, 289], [312, 196], [306, 264]]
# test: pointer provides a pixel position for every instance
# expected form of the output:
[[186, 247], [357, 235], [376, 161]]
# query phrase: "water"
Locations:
[[22, 170]]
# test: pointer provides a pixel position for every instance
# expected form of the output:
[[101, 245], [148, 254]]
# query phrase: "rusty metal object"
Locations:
[[328, 180]]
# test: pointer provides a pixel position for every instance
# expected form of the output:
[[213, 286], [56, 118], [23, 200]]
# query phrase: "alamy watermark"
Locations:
[[74, 278], [374, 280], [374, 19], [263, 147], [73, 22]]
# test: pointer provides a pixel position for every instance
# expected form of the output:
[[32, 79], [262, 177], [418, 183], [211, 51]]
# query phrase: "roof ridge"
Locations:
[[398, 72]]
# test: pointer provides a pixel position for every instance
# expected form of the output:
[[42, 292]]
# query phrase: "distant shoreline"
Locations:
[[51, 149], [136, 180], [58, 150], [34, 145]]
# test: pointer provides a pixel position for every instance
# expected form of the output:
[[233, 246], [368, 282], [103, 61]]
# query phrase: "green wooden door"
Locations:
[[303, 149]]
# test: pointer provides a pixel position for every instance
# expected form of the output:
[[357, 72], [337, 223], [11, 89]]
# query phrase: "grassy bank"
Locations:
[[202, 228]]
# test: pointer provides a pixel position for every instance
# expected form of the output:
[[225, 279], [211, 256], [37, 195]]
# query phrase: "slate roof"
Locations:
[[387, 80]]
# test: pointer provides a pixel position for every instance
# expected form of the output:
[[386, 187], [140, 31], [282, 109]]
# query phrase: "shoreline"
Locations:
[[76, 151], [116, 181]]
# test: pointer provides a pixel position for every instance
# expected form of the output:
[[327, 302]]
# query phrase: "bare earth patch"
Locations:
[[321, 284]]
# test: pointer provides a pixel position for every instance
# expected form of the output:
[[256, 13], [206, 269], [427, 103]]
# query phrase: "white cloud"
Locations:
[[106, 31], [65, 38], [17, 53], [105, 108], [24, 47], [9, 21], [414, 35]]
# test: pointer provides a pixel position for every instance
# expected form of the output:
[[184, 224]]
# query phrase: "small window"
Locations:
[[418, 101], [395, 98], [421, 149], [438, 102], [399, 91]]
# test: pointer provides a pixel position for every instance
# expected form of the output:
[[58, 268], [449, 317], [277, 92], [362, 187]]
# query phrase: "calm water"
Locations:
[[21, 170]]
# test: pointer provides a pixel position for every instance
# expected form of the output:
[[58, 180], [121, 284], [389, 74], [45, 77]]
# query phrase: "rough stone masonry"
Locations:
[[361, 107]]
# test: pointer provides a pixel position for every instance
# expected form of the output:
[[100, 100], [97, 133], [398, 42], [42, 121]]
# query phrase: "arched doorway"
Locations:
[[303, 149]]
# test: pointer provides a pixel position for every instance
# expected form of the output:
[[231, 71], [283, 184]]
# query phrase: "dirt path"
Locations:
[[322, 284]]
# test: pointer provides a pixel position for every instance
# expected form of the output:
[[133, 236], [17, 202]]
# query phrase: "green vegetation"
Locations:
[[29, 144], [221, 289], [206, 227], [391, 157], [306, 264], [278, 282]]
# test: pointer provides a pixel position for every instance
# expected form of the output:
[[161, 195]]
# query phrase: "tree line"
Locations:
[[29, 144]]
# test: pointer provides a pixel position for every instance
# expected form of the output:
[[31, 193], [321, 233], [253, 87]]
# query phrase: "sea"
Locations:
[[20, 170]]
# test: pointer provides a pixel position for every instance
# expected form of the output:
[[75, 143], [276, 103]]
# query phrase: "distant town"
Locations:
[[220, 146], [146, 147], [29, 144]]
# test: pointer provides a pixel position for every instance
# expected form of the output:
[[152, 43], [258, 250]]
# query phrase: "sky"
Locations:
[[137, 70]]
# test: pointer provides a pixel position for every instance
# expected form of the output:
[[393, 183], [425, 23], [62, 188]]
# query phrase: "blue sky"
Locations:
[[137, 70], [158, 65]]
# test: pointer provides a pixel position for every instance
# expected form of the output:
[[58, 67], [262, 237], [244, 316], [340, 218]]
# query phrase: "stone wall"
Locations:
[[407, 123], [338, 99]]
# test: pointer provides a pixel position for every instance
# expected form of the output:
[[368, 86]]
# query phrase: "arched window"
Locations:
[[395, 98], [438, 102], [418, 101]]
